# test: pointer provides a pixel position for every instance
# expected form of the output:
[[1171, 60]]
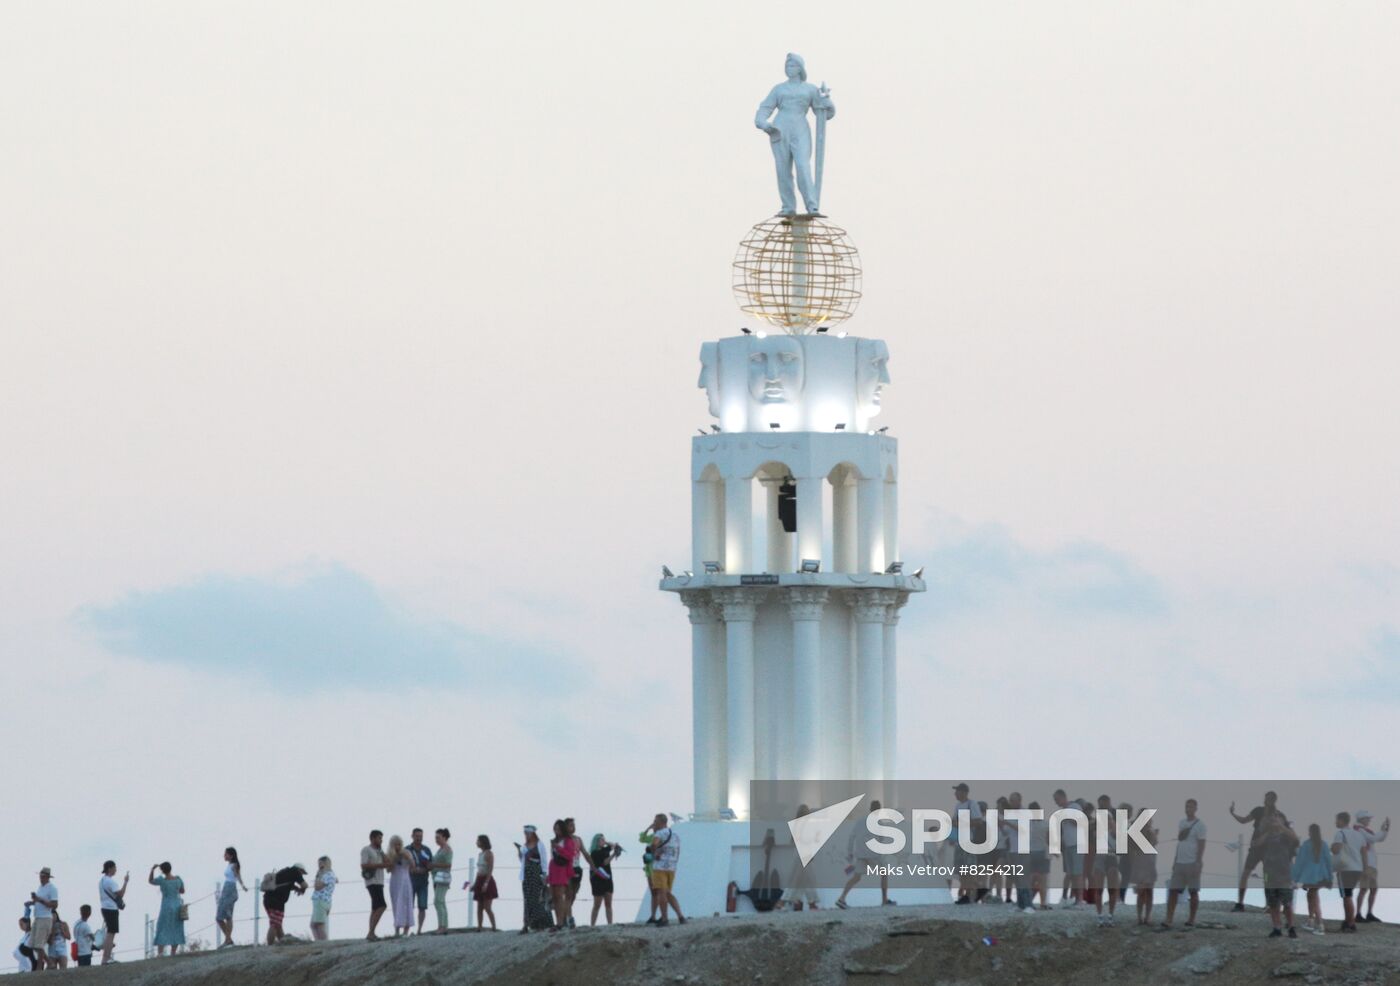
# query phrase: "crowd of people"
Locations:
[[550, 876], [1350, 861]]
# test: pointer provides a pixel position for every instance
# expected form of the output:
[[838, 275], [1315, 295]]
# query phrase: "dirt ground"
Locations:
[[928, 946]]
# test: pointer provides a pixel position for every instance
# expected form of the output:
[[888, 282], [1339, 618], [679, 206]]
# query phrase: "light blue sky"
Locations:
[[349, 363]]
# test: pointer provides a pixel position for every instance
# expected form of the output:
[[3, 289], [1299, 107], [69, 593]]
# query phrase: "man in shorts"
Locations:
[[1186, 865], [1370, 866], [421, 856], [111, 897], [1348, 862], [665, 855], [961, 857], [372, 868], [1039, 862], [285, 881], [1258, 815], [45, 902], [1072, 835], [1277, 846]]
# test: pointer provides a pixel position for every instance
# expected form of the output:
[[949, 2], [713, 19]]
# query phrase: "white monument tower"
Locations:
[[795, 584]]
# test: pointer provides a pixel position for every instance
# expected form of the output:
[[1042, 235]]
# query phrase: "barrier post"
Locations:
[[471, 879]]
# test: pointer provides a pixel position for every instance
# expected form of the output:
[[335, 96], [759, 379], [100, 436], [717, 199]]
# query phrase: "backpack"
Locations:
[[269, 882]]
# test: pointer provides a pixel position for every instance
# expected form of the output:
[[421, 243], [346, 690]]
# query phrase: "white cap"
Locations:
[[1363, 813]]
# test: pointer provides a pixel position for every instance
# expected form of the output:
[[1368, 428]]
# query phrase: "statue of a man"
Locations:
[[792, 141]]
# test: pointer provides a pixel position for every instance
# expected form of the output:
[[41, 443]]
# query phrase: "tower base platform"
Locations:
[[715, 854]]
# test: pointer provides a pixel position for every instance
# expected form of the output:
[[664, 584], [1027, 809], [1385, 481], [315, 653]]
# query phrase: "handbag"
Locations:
[[184, 912]]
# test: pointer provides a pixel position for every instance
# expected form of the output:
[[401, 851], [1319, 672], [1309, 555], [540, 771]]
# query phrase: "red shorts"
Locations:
[[274, 919]]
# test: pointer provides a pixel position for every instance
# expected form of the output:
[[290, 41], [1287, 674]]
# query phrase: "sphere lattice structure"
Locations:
[[799, 274]]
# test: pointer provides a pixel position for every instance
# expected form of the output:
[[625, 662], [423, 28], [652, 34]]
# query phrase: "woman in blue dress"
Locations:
[[170, 927]]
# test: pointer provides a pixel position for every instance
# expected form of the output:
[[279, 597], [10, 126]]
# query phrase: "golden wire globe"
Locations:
[[797, 273]]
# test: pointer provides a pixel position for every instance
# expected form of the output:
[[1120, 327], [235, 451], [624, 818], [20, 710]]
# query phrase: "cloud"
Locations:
[[1376, 680], [319, 628], [973, 569]]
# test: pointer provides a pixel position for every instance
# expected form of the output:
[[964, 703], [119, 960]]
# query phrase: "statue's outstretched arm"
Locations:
[[766, 109]]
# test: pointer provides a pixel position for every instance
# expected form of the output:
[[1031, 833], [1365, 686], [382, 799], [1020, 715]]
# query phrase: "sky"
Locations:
[[349, 364]]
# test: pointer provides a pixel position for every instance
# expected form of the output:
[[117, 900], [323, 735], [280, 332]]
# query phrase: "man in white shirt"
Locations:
[[372, 867], [45, 901], [1370, 867], [1348, 862], [1071, 858], [1186, 865], [111, 897], [665, 857]]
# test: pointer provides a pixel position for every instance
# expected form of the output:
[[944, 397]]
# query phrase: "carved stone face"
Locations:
[[872, 373], [776, 371], [793, 68], [709, 375]]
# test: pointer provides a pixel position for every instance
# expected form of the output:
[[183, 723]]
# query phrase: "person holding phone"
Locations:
[[111, 898]]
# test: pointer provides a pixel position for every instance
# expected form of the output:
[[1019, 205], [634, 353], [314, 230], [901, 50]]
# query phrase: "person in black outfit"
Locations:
[[602, 852], [287, 880]]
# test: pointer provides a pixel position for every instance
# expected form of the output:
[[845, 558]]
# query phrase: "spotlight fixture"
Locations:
[[894, 568], [746, 331], [715, 429], [841, 335], [881, 431], [822, 329], [675, 817], [727, 815], [919, 572], [871, 431], [761, 334], [667, 573], [702, 431], [774, 425], [811, 566], [713, 568], [841, 426]]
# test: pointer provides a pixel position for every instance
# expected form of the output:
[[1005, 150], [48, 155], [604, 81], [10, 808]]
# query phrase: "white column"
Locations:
[[805, 604], [891, 686], [891, 507], [707, 701], [779, 540], [738, 524], [809, 520], [870, 606], [738, 607], [843, 524], [706, 523], [838, 689], [870, 540]]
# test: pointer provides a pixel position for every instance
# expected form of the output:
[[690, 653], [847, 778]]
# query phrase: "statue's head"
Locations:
[[872, 373], [709, 375], [795, 67], [776, 372]]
